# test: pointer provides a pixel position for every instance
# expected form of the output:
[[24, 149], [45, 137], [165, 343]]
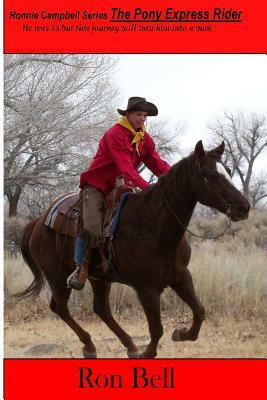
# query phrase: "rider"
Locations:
[[121, 150]]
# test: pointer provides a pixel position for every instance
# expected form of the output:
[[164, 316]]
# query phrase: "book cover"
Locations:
[[68, 67]]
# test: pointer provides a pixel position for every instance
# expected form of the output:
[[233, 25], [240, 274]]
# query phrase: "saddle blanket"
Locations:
[[115, 220], [56, 209]]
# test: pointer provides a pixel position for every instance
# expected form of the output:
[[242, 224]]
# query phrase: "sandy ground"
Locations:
[[51, 338]]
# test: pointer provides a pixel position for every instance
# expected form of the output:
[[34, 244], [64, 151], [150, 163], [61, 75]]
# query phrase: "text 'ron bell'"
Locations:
[[140, 378]]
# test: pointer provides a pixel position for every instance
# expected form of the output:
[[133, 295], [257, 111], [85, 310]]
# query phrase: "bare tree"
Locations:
[[56, 107], [167, 140], [258, 189], [246, 141]]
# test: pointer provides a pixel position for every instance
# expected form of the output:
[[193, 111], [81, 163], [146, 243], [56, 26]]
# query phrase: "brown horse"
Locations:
[[151, 251]]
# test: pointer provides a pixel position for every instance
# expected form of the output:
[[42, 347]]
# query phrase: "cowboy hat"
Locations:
[[139, 104]]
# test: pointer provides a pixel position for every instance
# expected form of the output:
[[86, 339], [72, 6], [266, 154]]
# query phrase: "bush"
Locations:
[[13, 228], [251, 231]]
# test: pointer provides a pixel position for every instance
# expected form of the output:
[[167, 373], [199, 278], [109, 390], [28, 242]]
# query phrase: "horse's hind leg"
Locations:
[[102, 309], [150, 299], [59, 305], [185, 289]]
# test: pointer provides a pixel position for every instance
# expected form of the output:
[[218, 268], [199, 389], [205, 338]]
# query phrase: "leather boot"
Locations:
[[77, 279]]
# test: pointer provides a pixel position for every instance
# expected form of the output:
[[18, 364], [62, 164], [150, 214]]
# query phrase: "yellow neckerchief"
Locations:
[[138, 136]]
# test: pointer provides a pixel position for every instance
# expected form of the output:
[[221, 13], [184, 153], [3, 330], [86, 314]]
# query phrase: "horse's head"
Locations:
[[213, 186]]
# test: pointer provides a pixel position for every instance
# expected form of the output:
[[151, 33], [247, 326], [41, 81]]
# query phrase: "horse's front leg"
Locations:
[[185, 289], [150, 300]]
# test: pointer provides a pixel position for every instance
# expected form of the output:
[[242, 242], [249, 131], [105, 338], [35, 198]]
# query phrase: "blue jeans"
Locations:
[[79, 250]]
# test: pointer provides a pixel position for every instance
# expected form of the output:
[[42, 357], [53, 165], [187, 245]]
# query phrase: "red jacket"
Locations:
[[117, 156]]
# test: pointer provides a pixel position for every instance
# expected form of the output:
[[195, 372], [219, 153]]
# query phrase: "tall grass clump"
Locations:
[[17, 277], [231, 278]]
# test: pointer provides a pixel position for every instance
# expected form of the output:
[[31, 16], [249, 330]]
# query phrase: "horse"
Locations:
[[151, 251]]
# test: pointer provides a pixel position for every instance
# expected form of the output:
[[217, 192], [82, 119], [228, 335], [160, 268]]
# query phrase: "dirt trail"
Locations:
[[51, 338]]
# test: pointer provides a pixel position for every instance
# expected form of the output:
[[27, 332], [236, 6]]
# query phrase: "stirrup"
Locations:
[[73, 280]]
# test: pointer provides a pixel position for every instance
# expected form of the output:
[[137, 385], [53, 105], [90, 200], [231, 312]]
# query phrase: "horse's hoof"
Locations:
[[89, 354], [178, 335], [133, 354]]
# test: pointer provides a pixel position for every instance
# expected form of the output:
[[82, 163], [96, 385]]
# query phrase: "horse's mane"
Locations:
[[175, 178]]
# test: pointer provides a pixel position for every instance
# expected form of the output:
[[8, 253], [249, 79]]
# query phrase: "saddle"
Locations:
[[63, 217]]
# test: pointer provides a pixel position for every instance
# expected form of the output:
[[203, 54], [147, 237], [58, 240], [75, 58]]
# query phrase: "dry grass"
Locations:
[[230, 277]]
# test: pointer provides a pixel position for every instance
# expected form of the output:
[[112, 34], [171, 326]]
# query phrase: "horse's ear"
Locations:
[[199, 150], [220, 149]]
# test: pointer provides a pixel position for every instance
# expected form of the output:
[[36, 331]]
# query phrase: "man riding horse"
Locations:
[[121, 150]]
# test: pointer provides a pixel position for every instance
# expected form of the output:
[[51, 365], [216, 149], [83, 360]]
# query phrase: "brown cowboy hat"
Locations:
[[139, 104]]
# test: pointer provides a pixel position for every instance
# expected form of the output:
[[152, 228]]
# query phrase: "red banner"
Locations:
[[134, 379], [136, 26]]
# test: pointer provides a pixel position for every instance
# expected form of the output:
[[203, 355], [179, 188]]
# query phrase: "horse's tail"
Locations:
[[36, 286]]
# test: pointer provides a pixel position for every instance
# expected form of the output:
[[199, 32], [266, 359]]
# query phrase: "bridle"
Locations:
[[211, 188]]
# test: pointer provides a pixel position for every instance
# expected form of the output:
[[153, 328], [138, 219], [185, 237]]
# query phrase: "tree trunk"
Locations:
[[13, 203]]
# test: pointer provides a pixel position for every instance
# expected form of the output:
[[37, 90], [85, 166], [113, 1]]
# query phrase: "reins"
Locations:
[[211, 188], [228, 213]]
